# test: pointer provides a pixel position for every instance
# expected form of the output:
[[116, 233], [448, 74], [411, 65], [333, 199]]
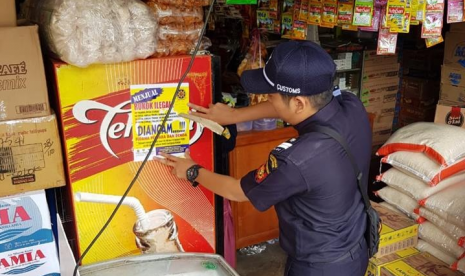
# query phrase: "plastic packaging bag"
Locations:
[[85, 32], [439, 239], [176, 31], [448, 203], [185, 3], [415, 187], [455, 232], [424, 246], [168, 14], [179, 47], [403, 202], [423, 167]]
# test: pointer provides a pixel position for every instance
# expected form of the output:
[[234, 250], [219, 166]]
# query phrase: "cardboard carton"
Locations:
[[419, 264], [380, 99], [371, 57], [24, 221], [453, 75], [7, 13], [454, 49], [380, 67], [23, 89], [422, 89], [382, 135], [376, 264], [398, 232], [451, 115], [457, 27], [30, 155], [423, 114], [453, 93]]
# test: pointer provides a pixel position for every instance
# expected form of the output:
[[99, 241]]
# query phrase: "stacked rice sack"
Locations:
[[180, 23], [427, 183]]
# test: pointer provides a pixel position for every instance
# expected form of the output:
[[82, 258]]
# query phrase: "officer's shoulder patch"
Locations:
[[261, 173], [286, 145]]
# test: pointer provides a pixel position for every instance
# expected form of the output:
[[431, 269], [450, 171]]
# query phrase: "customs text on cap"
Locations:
[[294, 68]]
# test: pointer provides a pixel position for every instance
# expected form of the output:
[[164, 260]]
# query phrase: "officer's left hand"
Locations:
[[179, 165]]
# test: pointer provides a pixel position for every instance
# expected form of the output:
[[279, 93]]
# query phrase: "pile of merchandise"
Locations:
[[427, 183], [180, 25]]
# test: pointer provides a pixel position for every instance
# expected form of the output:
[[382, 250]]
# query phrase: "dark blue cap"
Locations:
[[294, 68]]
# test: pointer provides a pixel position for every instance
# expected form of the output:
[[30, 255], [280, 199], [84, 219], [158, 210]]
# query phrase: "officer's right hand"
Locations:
[[220, 113]]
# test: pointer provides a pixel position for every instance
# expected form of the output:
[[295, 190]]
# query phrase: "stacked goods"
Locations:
[[86, 32], [452, 95], [427, 183], [27, 244], [380, 85], [30, 151], [179, 25]]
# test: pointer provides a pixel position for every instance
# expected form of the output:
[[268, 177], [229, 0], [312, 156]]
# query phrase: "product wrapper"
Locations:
[[288, 6], [349, 27], [271, 5], [176, 31], [329, 15], [86, 32], [185, 3], [455, 11], [395, 15], [414, 5], [432, 41], [363, 13], [345, 13], [167, 14], [387, 41], [314, 13], [303, 14], [375, 22], [286, 27], [299, 30], [432, 25]]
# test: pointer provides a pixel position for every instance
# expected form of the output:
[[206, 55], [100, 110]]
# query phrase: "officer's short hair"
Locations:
[[317, 101]]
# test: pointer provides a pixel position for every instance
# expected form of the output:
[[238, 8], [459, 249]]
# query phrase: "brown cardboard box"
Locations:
[[421, 114], [453, 75], [420, 264], [381, 135], [453, 94], [380, 99], [421, 89], [457, 27], [454, 51], [371, 58], [398, 232], [449, 115], [381, 67], [7, 13], [422, 63], [30, 155], [376, 264], [23, 89]]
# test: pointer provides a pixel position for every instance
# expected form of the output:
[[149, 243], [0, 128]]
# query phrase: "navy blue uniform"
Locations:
[[312, 185]]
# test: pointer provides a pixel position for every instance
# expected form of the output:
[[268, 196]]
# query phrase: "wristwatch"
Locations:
[[192, 173]]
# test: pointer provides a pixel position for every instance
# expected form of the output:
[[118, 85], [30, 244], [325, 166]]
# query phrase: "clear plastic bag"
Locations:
[[86, 32], [168, 14], [178, 31], [185, 3], [454, 231], [436, 252], [436, 237]]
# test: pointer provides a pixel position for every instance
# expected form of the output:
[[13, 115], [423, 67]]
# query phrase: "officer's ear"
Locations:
[[300, 104]]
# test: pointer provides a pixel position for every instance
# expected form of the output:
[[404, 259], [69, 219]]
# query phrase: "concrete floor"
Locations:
[[270, 262]]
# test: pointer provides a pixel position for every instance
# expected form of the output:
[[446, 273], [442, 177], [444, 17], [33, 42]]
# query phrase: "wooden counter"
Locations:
[[252, 150]]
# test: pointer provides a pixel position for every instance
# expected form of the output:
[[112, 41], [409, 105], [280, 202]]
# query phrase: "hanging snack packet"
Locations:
[[387, 41], [395, 15], [414, 4], [430, 42], [303, 15], [345, 12], [264, 20], [351, 28], [421, 10], [329, 14], [375, 22], [435, 5], [455, 11], [432, 25], [363, 13], [288, 6], [296, 9], [286, 27], [299, 30], [314, 13]]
